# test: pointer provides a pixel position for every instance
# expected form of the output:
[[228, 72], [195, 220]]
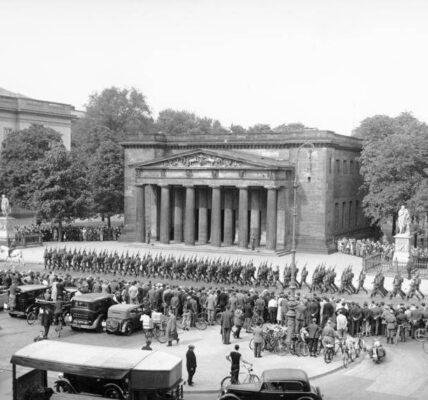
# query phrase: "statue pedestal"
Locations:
[[7, 233], [402, 248]]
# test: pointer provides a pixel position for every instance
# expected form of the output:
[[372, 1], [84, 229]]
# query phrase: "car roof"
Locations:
[[91, 296], [284, 374], [89, 360], [123, 307], [30, 288]]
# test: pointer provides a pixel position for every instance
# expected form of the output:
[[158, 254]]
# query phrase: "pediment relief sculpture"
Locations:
[[201, 160]]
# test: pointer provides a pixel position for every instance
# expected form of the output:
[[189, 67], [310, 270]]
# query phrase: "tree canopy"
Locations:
[[61, 189], [393, 159], [106, 179], [21, 153]]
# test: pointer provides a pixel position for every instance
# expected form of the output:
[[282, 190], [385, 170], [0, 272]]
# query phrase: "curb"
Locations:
[[314, 377]]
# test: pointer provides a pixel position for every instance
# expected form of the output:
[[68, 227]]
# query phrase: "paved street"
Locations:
[[34, 255], [401, 376]]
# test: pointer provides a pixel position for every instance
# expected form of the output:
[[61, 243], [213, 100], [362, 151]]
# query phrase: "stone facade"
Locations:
[[19, 112], [238, 190]]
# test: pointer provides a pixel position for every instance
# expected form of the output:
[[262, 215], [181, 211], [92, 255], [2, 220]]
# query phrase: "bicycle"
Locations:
[[421, 334], [402, 333], [361, 344], [250, 377], [203, 317]]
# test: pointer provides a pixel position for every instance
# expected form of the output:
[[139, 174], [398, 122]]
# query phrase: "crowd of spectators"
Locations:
[[365, 247], [70, 233], [369, 317]]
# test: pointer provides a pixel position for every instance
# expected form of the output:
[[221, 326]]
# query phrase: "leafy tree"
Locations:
[[60, 188], [237, 130], [393, 159], [20, 156], [106, 179], [172, 122], [260, 128], [293, 127]]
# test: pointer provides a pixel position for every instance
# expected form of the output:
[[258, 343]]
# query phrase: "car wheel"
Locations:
[[128, 329], [112, 393], [229, 396], [63, 387], [74, 328]]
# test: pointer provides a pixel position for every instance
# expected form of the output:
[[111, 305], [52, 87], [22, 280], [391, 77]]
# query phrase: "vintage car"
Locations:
[[275, 384], [114, 373], [89, 311], [26, 296], [123, 318]]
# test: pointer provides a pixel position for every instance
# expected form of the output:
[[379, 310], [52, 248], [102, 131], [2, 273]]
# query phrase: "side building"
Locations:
[[19, 112], [227, 190]]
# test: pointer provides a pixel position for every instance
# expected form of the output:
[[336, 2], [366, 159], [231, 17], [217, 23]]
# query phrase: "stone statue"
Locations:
[[403, 220], [5, 206]]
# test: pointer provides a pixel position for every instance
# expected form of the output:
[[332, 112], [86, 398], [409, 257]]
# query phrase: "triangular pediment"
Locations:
[[209, 159]]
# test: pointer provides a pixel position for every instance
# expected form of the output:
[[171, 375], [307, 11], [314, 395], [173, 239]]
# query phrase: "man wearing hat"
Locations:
[[190, 364]]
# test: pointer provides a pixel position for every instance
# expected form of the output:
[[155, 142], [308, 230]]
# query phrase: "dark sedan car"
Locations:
[[275, 384]]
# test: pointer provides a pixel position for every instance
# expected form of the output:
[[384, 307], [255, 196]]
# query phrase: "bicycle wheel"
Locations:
[[201, 324], [283, 348], [328, 355], [345, 359], [303, 349], [396, 338], [31, 318], [225, 382], [251, 344], [251, 378], [160, 334], [420, 334]]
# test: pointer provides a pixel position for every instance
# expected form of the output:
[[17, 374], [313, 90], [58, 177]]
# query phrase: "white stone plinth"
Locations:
[[7, 225], [402, 247]]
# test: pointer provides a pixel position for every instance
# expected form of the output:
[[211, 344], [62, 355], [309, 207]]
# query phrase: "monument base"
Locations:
[[402, 248], [7, 230]]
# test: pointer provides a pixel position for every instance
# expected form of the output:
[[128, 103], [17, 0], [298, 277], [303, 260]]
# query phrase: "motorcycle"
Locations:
[[377, 353]]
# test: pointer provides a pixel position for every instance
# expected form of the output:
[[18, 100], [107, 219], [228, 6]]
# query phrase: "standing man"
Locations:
[[258, 339], [226, 325], [190, 364], [314, 333], [47, 319], [235, 359]]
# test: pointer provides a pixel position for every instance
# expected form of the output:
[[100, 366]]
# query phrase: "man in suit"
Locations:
[[226, 325], [190, 364]]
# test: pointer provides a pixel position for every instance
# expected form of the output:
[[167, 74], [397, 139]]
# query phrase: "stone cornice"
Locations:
[[285, 140]]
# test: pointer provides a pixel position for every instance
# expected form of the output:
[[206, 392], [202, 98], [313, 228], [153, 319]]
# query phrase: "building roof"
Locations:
[[4, 92]]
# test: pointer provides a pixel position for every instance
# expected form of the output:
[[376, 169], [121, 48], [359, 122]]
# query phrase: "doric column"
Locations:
[[228, 217], [203, 217], [178, 214], [255, 217], [189, 222], [153, 212], [164, 214], [271, 219], [216, 217], [243, 217], [140, 215]]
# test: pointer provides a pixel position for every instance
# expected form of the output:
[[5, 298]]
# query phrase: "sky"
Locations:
[[325, 63]]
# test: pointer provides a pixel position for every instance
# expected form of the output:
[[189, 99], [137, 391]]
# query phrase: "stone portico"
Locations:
[[232, 192]]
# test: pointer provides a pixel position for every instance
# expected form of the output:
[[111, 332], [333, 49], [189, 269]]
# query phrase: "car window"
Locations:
[[292, 386], [273, 387]]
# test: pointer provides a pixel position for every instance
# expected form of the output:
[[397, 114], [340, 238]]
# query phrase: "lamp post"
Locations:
[[293, 240]]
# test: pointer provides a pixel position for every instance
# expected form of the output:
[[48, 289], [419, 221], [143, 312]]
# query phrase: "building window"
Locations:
[[336, 216], [343, 214], [345, 167], [337, 166], [350, 214], [351, 167], [357, 206]]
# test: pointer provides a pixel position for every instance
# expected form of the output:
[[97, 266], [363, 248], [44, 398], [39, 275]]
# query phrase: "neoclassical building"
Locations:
[[19, 112], [229, 190]]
